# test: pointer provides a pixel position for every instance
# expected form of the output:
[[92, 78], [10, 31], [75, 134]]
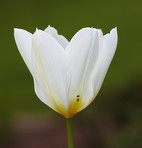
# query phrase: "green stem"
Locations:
[[69, 132]]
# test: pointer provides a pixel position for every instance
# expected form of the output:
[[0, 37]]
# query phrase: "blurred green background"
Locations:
[[114, 119]]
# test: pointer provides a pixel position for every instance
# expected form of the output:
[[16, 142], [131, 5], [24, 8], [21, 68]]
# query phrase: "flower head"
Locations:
[[67, 75]]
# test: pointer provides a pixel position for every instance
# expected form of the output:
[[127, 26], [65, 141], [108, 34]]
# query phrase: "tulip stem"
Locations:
[[69, 132]]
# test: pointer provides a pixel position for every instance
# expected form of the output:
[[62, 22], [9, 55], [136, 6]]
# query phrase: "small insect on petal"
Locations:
[[78, 96]]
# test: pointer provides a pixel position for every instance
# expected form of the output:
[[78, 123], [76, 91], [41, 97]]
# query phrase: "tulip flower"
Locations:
[[67, 74]]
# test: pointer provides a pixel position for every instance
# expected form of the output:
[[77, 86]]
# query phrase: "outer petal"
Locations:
[[83, 51], [24, 43], [61, 39], [100, 33], [87, 89], [42, 92], [51, 71], [108, 47]]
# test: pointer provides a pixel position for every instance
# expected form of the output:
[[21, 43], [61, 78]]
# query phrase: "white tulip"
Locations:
[[67, 75]]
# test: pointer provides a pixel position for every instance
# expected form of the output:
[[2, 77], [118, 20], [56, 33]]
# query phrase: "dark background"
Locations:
[[114, 119]]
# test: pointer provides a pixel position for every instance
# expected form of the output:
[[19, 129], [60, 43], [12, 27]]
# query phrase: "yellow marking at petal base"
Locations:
[[58, 105], [75, 106], [61, 109]]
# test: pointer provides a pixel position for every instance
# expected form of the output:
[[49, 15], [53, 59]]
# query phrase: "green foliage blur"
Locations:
[[119, 101]]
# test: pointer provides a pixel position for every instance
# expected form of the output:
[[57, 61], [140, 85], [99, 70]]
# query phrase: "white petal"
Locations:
[[100, 33], [83, 51], [87, 90], [24, 43], [61, 39], [41, 93], [109, 43], [51, 69]]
